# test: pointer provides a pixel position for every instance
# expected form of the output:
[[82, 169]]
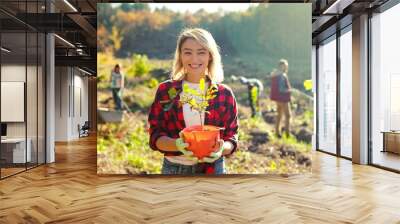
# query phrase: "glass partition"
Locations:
[[327, 96], [15, 151], [385, 89], [22, 88], [346, 94], [31, 100]]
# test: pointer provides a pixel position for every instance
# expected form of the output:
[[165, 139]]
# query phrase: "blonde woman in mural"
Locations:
[[281, 93], [196, 57]]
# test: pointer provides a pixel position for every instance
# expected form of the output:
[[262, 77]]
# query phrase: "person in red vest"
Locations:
[[280, 93]]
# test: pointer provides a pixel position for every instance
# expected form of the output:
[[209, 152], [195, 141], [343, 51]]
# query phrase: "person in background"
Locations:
[[117, 85], [281, 93], [255, 88]]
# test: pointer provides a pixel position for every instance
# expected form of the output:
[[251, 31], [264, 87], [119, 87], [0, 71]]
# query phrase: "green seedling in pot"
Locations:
[[198, 100]]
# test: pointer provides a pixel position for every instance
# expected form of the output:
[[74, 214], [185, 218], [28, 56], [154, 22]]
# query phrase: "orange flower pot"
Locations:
[[201, 139]]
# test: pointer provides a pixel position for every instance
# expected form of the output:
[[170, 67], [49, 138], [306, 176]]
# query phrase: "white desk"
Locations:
[[18, 149]]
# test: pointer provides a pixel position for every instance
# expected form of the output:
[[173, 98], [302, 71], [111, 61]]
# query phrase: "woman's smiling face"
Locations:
[[195, 59]]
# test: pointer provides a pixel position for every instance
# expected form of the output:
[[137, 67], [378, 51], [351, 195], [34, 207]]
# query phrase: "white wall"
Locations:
[[61, 103], [13, 73], [33, 127], [80, 110], [71, 101]]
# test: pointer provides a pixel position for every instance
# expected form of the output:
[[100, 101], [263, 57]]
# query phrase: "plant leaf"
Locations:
[[185, 88], [167, 107], [172, 93], [308, 84], [202, 85]]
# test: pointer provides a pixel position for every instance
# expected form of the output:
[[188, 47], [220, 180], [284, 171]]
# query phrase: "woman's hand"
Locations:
[[181, 145], [218, 152]]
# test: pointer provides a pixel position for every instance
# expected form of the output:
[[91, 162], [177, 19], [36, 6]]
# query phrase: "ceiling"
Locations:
[[75, 21], [332, 15]]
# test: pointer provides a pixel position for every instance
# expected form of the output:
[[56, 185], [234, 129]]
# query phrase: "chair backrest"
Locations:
[[86, 125]]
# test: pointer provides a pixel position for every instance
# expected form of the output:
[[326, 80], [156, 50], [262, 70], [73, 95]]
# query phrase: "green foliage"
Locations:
[[135, 160], [102, 80], [105, 12], [127, 7], [198, 100], [140, 66], [291, 141], [252, 123], [243, 134], [308, 84], [308, 115], [237, 165], [101, 145], [126, 145], [152, 83], [154, 33], [116, 38], [172, 93], [105, 63], [139, 97]]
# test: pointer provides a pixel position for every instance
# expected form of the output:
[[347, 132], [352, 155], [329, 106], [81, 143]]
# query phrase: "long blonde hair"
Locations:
[[205, 39]]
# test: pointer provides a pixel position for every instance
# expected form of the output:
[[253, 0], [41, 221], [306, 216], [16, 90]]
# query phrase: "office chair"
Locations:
[[84, 130]]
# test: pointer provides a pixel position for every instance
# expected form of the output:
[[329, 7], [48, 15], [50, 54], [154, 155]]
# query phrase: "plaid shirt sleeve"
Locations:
[[156, 118], [229, 119]]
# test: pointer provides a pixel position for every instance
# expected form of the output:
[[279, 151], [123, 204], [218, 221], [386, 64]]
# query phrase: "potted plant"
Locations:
[[201, 138]]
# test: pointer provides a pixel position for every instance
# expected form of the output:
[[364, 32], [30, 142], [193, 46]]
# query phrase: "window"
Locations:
[[327, 96], [385, 86], [346, 94], [22, 67]]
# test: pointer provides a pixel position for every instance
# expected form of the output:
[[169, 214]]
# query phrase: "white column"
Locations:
[[50, 94], [360, 90]]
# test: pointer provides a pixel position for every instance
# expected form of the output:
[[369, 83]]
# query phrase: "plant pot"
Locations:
[[201, 139]]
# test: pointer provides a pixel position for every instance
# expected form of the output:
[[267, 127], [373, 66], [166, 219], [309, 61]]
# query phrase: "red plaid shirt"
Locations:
[[166, 119]]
